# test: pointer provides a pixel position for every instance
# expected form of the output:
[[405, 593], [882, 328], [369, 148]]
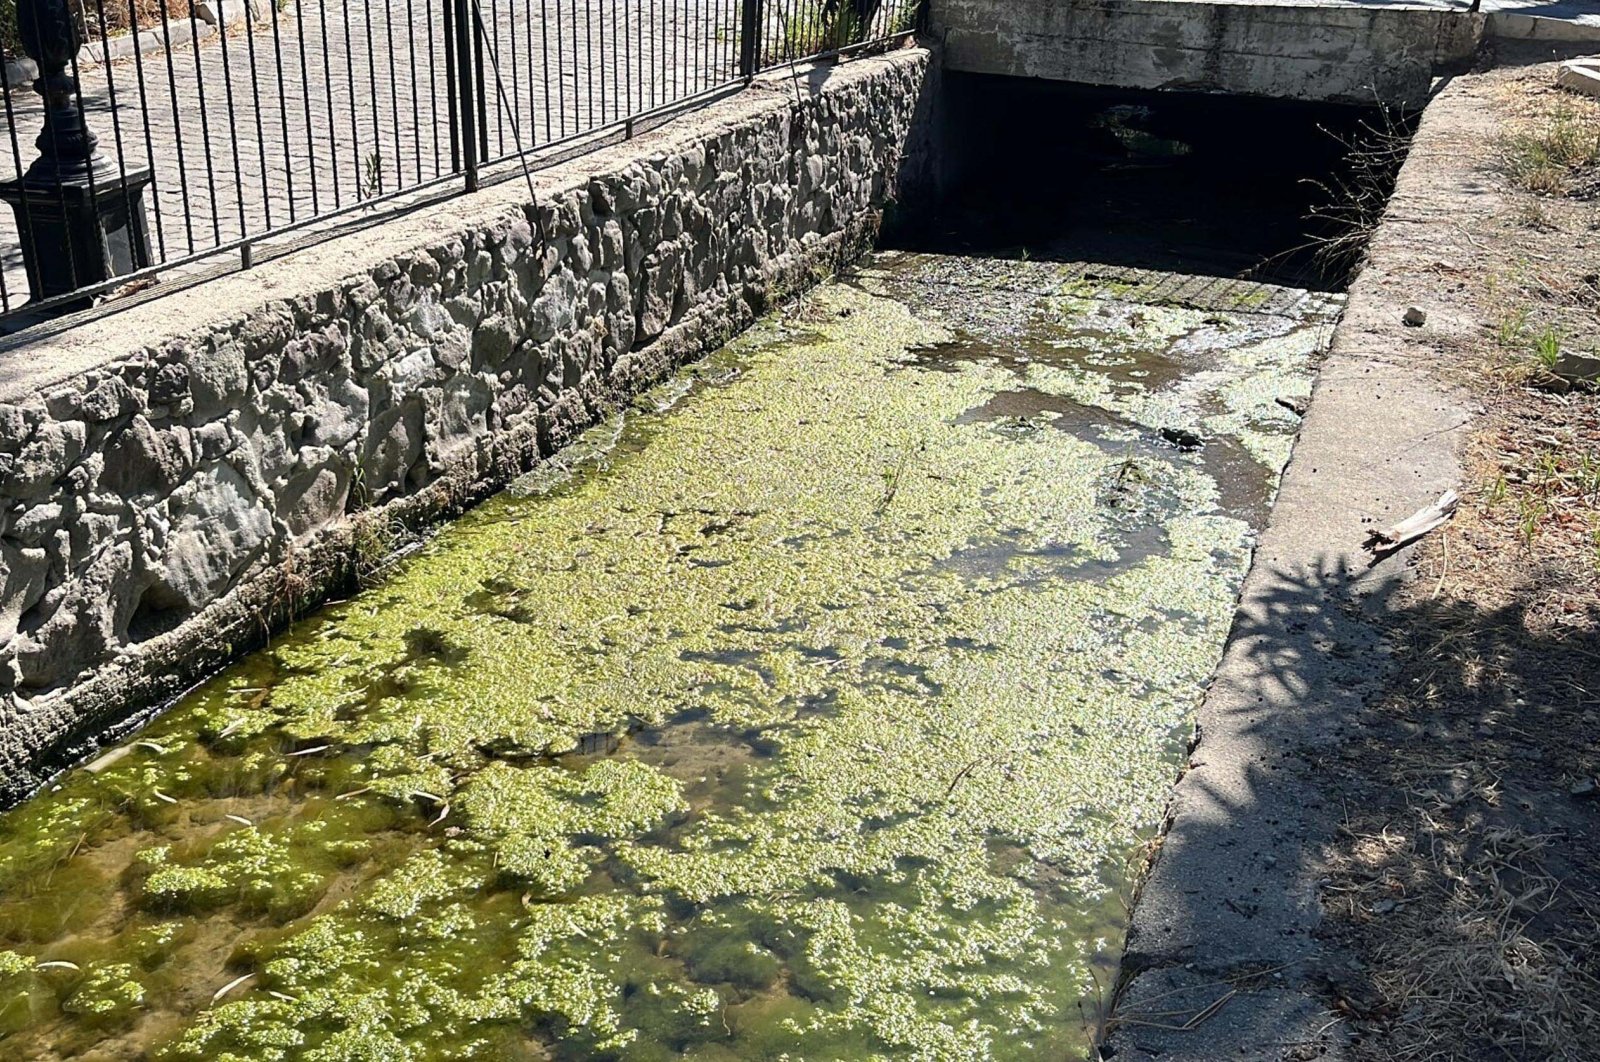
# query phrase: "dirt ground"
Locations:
[[1465, 879]]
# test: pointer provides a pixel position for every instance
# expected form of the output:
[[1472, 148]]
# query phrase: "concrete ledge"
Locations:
[[1580, 75], [179, 479], [1512, 25], [1231, 905]]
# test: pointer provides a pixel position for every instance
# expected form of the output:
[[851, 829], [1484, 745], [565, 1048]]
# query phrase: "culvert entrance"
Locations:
[[817, 706], [1276, 191]]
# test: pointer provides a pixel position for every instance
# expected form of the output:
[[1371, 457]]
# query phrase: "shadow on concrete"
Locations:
[[1354, 711]]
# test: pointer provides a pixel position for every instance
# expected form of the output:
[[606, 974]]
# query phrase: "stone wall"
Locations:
[[179, 479], [1341, 54]]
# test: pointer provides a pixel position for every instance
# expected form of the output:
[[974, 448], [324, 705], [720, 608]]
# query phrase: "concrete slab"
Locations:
[[1580, 75], [1549, 20], [1346, 53], [1583, 12]]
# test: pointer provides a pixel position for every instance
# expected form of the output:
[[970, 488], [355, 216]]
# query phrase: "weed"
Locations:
[[1588, 478], [10, 40], [1513, 325], [1532, 512], [816, 26], [1546, 160], [906, 19], [372, 541], [1354, 198], [1497, 493], [1559, 486], [372, 185], [893, 478], [1547, 348]]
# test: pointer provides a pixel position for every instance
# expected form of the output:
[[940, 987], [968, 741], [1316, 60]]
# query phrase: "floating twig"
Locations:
[[230, 986]]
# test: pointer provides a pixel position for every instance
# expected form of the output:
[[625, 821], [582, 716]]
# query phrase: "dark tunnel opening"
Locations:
[[1276, 191]]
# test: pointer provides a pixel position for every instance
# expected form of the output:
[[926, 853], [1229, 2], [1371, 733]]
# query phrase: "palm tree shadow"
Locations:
[[1377, 770]]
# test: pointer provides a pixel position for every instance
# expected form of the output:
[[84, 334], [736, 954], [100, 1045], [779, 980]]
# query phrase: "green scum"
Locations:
[[809, 712]]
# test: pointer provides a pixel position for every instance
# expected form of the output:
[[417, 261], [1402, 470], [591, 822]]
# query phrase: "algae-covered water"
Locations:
[[814, 708]]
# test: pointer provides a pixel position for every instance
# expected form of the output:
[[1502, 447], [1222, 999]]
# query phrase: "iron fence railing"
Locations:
[[150, 135]]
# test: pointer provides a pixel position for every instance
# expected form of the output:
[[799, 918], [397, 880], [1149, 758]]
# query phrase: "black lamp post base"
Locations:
[[74, 237]]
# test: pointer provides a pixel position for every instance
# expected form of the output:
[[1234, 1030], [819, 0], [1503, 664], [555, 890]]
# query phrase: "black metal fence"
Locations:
[[160, 134]]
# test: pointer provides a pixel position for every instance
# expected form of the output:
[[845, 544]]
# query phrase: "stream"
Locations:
[[821, 704]]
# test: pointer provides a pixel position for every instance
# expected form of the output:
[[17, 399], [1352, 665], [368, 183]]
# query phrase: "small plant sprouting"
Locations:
[[1512, 327], [1497, 493], [1533, 511], [1130, 475], [1130, 471], [372, 183], [1547, 348], [893, 477]]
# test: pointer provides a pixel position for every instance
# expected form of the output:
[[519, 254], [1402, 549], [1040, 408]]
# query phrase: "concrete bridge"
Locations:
[[1342, 51]]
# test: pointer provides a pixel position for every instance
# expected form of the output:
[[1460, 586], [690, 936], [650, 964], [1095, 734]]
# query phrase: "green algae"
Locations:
[[529, 814], [107, 992], [808, 710], [253, 868]]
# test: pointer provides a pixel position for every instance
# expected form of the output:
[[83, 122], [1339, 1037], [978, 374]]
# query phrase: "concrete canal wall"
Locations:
[[179, 479], [1310, 51]]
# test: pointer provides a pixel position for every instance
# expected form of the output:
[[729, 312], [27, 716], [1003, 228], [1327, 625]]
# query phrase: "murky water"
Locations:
[[812, 709]]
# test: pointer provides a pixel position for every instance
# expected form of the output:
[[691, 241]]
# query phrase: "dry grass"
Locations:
[[1460, 960], [1464, 875], [101, 19], [1556, 156], [1466, 880]]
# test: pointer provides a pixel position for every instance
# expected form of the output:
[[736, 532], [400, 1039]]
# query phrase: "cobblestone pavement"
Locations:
[[334, 104]]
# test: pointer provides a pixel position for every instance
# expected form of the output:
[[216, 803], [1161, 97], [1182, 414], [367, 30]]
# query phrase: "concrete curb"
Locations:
[[1226, 927], [1580, 75], [1511, 25]]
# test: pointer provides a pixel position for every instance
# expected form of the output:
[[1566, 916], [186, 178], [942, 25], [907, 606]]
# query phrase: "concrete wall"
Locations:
[[1337, 54], [179, 478]]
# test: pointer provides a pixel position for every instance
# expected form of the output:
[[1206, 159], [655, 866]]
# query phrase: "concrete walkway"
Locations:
[[1224, 957]]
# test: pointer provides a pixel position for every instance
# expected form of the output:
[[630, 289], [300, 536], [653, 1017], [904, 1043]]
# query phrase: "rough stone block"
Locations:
[[149, 500]]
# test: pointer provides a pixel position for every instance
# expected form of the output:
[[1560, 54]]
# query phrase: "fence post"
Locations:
[[451, 81], [81, 219], [466, 90], [749, 38], [481, 101]]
